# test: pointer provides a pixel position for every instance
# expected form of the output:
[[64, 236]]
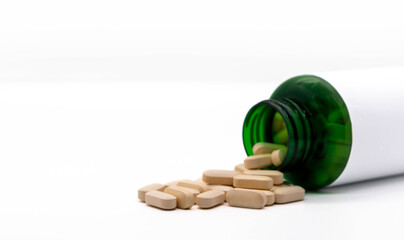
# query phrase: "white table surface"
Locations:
[[75, 153]]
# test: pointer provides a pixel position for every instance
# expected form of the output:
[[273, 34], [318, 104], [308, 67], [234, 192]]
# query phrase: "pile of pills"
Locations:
[[246, 186]]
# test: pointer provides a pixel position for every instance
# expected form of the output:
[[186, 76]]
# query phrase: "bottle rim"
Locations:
[[298, 131]]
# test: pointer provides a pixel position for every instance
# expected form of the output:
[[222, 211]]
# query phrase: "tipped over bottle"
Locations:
[[336, 127]]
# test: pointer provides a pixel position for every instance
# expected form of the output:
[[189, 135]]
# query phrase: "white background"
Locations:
[[99, 98]]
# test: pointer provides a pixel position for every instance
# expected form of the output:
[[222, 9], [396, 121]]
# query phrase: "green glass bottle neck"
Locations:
[[297, 124], [299, 132]]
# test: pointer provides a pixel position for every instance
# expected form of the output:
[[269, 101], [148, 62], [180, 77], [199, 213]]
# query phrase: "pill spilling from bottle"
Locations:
[[249, 185]]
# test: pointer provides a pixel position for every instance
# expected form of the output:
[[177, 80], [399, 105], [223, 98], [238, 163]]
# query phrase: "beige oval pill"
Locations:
[[223, 188], [264, 148], [247, 198], [141, 193], [276, 176], [201, 187], [284, 184], [269, 195], [194, 191], [204, 184], [172, 183], [258, 161], [219, 177], [240, 168], [288, 194], [210, 198], [185, 198], [253, 182], [278, 123], [161, 200], [278, 156]]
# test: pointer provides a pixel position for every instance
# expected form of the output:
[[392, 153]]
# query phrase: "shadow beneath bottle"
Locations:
[[362, 185]]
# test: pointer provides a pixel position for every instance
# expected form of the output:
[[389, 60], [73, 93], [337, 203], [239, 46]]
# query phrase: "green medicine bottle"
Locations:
[[340, 127]]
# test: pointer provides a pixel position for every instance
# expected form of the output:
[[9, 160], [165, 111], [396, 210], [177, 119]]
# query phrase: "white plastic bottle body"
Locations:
[[375, 101]]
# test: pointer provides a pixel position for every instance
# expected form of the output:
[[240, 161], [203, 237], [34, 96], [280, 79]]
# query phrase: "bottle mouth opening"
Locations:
[[268, 121]]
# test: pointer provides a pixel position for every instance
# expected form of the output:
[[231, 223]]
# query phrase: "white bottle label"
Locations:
[[375, 101]]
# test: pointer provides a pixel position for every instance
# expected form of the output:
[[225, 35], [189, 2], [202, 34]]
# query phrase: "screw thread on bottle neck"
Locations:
[[296, 119]]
